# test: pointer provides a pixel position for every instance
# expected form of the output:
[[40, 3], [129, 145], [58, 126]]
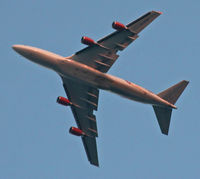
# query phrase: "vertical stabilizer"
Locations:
[[164, 114]]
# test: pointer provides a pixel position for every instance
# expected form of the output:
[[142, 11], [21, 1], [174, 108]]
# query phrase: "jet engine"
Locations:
[[118, 26], [76, 131], [63, 101], [87, 41]]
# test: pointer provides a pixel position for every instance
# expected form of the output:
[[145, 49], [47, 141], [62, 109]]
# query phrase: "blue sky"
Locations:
[[34, 138]]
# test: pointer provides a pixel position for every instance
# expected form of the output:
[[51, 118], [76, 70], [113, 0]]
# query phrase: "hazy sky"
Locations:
[[34, 138]]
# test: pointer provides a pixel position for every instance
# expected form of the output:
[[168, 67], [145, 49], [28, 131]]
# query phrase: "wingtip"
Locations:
[[159, 12], [165, 133], [186, 81], [95, 164]]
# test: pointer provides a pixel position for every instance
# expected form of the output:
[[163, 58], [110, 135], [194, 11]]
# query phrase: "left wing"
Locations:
[[84, 100], [103, 54]]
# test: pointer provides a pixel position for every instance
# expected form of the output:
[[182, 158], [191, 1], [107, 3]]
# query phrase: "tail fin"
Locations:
[[171, 95], [163, 116]]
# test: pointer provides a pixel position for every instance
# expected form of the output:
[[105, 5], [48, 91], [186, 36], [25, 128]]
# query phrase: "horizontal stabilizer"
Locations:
[[163, 116], [172, 94]]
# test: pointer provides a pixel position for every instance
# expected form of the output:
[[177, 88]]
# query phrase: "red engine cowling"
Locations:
[[87, 41], [118, 26], [76, 131], [63, 101]]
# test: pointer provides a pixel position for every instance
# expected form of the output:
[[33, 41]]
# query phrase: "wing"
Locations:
[[84, 100], [103, 55]]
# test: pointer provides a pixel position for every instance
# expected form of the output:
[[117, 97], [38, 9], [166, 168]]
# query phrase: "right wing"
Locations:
[[84, 100], [103, 55]]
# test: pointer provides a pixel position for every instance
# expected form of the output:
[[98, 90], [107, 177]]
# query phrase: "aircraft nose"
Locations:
[[16, 47], [28, 52], [21, 49], [37, 55]]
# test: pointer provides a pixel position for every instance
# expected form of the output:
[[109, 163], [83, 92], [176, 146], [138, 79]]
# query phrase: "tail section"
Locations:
[[172, 94], [164, 114]]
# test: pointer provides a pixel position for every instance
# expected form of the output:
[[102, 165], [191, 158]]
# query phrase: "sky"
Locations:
[[34, 138]]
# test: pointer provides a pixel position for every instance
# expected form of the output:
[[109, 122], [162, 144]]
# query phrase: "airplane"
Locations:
[[84, 73]]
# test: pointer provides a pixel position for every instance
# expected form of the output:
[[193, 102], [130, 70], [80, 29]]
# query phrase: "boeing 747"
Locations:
[[84, 73]]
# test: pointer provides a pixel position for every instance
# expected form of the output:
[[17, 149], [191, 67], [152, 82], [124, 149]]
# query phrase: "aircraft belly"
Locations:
[[132, 93], [135, 92], [83, 73]]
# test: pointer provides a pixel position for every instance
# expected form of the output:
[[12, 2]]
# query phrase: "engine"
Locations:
[[87, 41], [118, 26], [76, 131], [63, 101]]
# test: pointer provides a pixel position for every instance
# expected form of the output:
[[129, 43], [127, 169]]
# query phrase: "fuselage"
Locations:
[[69, 68]]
